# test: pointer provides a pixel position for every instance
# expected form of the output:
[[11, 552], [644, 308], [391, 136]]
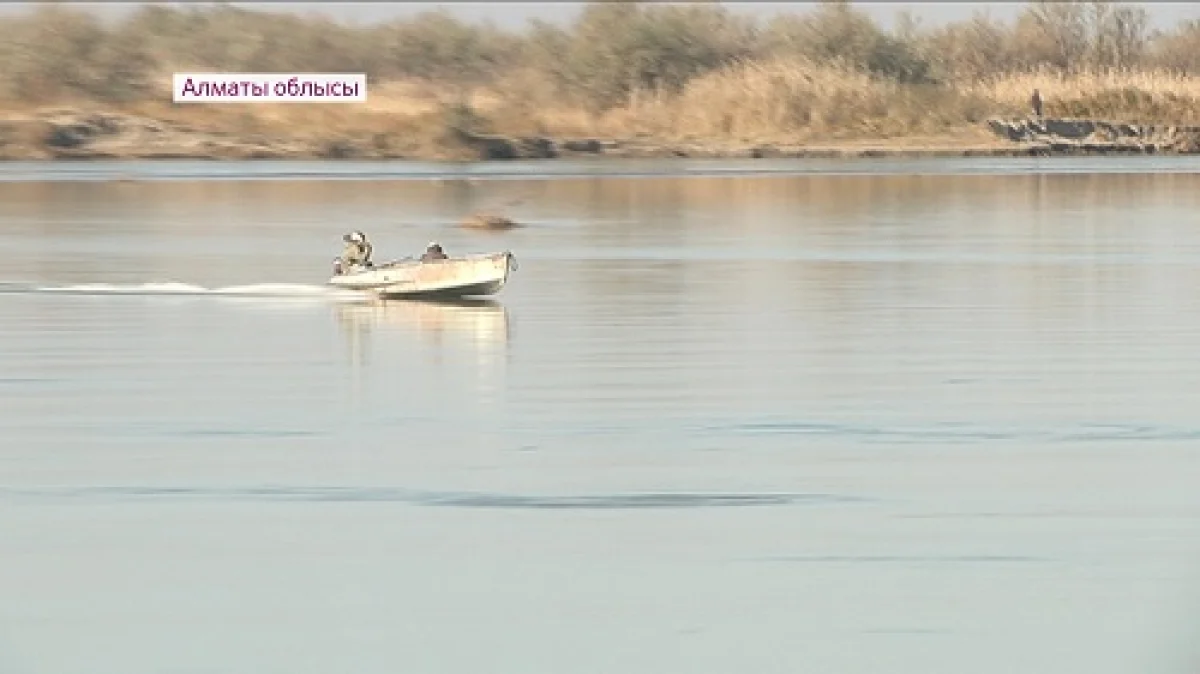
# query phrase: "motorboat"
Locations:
[[463, 276]]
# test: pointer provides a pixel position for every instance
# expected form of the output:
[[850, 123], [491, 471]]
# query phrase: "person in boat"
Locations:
[[434, 252], [357, 252]]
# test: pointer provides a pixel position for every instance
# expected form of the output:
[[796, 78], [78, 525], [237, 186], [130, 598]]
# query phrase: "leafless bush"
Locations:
[[624, 65]]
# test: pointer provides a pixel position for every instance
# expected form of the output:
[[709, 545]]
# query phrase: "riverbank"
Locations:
[[74, 134], [622, 82]]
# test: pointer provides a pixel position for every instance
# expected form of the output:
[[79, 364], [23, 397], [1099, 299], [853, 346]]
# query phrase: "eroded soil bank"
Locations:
[[74, 134]]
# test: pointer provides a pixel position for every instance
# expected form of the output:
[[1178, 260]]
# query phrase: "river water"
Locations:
[[850, 417]]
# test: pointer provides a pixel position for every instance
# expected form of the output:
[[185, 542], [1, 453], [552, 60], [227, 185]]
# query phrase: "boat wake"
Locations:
[[172, 289]]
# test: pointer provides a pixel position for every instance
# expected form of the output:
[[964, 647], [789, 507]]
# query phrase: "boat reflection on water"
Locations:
[[478, 326], [482, 322]]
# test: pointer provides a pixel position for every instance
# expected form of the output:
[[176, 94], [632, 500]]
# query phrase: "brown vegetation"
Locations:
[[696, 74], [488, 221]]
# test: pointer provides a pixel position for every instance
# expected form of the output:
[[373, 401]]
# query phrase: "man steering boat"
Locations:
[[355, 254]]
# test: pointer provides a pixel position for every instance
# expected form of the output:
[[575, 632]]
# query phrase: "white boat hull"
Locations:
[[468, 276]]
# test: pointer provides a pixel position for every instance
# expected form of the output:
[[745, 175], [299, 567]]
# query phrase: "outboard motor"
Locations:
[[337, 266]]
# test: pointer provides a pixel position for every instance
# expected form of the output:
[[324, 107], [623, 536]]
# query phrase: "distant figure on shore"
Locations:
[[1037, 104], [434, 252]]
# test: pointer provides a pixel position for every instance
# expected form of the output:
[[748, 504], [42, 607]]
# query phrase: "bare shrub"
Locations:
[[622, 68]]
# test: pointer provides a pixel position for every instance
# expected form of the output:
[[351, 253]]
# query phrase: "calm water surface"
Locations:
[[868, 417]]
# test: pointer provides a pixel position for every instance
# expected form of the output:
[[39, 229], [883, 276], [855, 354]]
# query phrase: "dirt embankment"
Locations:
[[70, 134], [1085, 136]]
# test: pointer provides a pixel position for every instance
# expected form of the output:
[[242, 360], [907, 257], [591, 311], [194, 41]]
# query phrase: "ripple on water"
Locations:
[[437, 499], [907, 559], [965, 433]]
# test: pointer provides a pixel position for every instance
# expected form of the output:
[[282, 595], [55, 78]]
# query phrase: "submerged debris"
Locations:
[[488, 221]]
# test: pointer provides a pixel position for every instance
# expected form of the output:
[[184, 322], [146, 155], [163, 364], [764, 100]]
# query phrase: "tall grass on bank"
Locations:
[[696, 72], [783, 100], [1150, 96], [797, 99]]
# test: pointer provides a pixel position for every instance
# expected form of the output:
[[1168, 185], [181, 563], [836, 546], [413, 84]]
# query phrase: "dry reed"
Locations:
[[723, 82]]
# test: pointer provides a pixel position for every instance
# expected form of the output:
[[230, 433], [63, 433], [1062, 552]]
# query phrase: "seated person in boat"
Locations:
[[357, 252], [434, 252]]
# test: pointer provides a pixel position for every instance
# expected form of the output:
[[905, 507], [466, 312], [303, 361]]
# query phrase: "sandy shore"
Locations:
[[71, 134]]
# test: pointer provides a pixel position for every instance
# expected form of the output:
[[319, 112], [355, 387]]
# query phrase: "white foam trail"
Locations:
[[288, 290], [115, 289], [264, 290], [17, 287]]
